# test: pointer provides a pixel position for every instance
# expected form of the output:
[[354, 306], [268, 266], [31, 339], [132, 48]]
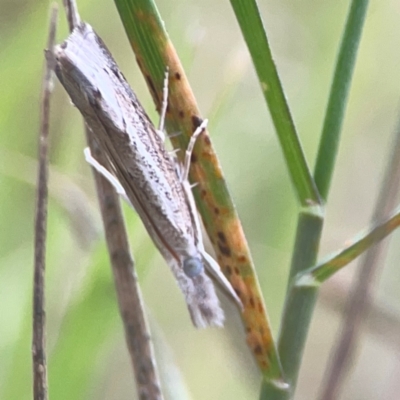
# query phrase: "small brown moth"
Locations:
[[141, 169]]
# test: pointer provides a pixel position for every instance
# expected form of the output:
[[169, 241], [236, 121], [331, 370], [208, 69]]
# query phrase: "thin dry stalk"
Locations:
[[128, 292], [382, 323], [39, 315], [360, 299]]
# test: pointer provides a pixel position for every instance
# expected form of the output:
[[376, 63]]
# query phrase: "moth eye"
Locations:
[[192, 267]]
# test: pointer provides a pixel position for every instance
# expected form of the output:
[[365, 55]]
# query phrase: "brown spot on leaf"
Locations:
[[239, 285], [196, 122], [216, 210], [255, 343], [252, 303], [228, 269], [225, 250], [221, 236], [193, 158], [181, 114], [260, 307], [177, 76], [203, 193], [237, 270], [207, 140], [242, 259]]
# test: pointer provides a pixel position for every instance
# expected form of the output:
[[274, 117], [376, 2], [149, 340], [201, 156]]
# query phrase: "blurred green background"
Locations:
[[86, 349]]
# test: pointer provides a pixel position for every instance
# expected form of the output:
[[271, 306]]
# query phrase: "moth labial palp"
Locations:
[[142, 167]]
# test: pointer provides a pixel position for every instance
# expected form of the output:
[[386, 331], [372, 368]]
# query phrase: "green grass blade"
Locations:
[[154, 51], [300, 301], [326, 269], [253, 31], [299, 306], [337, 102]]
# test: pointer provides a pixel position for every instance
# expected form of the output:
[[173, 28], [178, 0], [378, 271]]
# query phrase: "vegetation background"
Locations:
[[86, 349]]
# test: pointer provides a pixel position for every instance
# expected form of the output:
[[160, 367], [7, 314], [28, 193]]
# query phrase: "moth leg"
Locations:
[[211, 265], [164, 105], [174, 134], [106, 174], [189, 150], [215, 270], [174, 156]]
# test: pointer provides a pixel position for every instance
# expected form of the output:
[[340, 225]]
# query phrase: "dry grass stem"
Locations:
[[39, 315]]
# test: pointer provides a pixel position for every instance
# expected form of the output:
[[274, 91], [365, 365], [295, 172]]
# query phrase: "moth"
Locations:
[[154, 182]]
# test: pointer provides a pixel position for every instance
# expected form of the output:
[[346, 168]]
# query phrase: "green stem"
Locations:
[[329, 143], [324, 270], [253, 31], [300, 301], [299, 306]]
